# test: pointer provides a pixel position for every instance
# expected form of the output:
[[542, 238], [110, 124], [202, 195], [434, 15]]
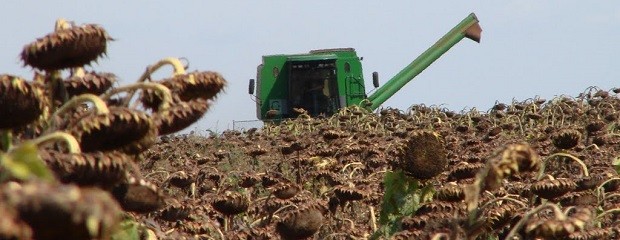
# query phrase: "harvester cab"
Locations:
[[321, 82]]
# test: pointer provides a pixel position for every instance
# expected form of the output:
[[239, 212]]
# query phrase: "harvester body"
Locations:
[[321, 82]]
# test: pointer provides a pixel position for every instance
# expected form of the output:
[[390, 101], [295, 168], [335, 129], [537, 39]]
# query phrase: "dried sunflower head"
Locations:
[[175, 212], [180, 116], [203, 85], [410, 234], [523, 155], [274, 204], [256, 151], [595, 126], [510, 160], [285, 190], [75, 46], [249, 180], [206, 175], [269, 180], [56, 211], [301, 223], [451, 192], [349, 193], [423, 155], [559, 227], [590, 182], [21, 100], [186, 87], [103, 169], [583, 198], [438, 207], [499, 215], [566, 138], [417, 222], [464, 170], [331, 134], [230, 203], [138, 196], [90, 82], [123, 129], [552, 188], [329, 177], [593, 234], [181, 179]]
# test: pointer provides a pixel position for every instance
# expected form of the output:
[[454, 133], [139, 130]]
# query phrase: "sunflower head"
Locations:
[[75, 46]]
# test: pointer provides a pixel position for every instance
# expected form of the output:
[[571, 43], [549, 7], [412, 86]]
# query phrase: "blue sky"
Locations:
[[529, 48]]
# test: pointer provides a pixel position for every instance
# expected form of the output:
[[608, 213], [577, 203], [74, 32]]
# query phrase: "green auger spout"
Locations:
[[468, 28]]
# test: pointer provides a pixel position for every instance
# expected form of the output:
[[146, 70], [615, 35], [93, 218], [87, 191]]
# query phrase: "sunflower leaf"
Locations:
[[24, 163]]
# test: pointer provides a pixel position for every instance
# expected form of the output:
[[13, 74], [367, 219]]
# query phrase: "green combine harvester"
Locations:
[[321, 82]]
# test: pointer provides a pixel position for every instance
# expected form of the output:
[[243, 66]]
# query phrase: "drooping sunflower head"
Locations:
[[75, 46], [101, 169], [181, 115], [187, 87], [91, 82], [21, 100], [123, 129], [566, 138], [230, 203]]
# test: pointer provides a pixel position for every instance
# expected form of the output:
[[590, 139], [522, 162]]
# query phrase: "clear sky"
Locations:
[[529, 47]]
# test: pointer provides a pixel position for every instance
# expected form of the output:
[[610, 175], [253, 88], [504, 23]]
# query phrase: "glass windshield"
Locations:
[[313, 88]]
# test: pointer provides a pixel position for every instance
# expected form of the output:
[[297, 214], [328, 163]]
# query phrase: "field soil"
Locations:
[[544, 168]]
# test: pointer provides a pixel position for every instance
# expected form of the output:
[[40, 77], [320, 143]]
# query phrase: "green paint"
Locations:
[[422, 62], [285, 82]]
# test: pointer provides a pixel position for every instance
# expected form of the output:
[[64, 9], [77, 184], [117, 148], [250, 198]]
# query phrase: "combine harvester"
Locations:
[[321, 82]]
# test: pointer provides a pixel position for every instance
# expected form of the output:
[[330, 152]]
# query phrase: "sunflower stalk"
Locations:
[[6, 139], [56, 85], [78, 72], [474, 213], [159, 88], [72, 144], [178, 69], [373, 219], [57, 88], [100, 106], [556, 210], [584, 168], [600, 190], [613, 210]]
